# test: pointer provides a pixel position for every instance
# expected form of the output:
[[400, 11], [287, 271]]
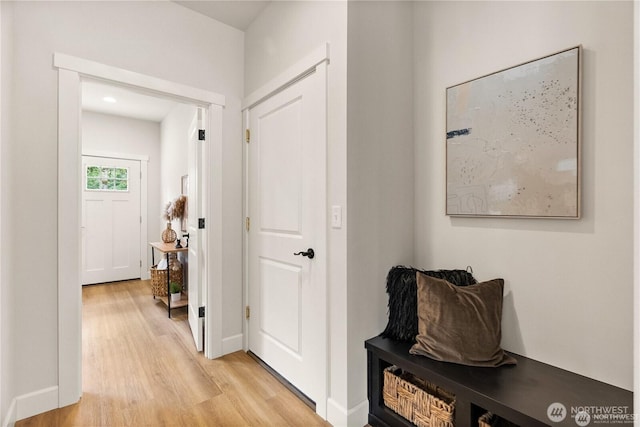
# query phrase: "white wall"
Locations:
[[283, 34], [6, 294], [569, 284], [2, 333], [159, 39], [128, 136], [636, 167], [380, 172], [174, 162], [7, 288]]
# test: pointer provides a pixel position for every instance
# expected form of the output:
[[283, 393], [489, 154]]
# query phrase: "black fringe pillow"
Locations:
[[403, 300]]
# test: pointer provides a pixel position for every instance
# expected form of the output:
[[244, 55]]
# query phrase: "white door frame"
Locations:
[[71, 71], [144, 170], [301, 69]]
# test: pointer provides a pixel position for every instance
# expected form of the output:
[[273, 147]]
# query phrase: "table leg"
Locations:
[[168, 288], [153, 262]]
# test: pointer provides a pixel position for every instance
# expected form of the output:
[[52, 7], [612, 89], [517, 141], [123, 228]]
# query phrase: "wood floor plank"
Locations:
[[140, 368]]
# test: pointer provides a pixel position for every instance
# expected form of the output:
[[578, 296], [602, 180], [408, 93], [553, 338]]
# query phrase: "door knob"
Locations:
[[308, 253]]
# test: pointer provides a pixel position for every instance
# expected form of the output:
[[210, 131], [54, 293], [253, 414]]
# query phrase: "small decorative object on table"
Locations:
[[175, 289], [169, 235], [175, 209]]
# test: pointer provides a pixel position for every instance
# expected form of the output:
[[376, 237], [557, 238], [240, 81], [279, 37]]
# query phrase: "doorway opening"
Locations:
[[72, 71], [130, 139]]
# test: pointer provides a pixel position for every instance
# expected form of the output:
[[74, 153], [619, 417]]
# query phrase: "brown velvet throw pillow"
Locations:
[[460, 324]]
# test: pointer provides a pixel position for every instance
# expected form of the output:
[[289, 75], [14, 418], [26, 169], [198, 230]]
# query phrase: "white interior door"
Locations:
[[110, 220], [197, 248], [287, 209]]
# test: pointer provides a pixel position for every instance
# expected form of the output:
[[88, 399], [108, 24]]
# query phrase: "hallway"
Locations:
[[140, 368]]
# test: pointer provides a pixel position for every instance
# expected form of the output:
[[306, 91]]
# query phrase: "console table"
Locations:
[[521, 394], [168, 248]]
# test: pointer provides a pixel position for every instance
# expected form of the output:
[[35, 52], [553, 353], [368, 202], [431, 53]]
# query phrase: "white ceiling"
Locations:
[[128, 103], [236, 13]]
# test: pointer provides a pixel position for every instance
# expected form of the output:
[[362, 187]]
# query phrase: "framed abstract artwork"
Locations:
[[513, 141]]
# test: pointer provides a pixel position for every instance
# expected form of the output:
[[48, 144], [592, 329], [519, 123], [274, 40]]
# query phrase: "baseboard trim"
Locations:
[[338, 416], [359, 414], [10, 419], [36, 402], [232, 344]]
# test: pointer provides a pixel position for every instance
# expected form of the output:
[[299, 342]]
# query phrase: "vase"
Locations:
[[169, 235]]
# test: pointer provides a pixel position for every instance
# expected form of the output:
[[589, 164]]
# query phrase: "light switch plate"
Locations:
[[336, 216]]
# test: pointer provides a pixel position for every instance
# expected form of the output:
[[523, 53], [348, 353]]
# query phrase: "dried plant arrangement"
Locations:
[[175, 209]]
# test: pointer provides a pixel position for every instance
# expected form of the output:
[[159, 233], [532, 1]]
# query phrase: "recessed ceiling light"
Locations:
[[109, 99]]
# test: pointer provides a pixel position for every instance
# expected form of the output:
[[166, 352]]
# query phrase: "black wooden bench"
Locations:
[[521, 394]]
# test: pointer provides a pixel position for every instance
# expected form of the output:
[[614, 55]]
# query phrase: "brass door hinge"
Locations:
[[247, 223], [247, 312], [247, 135]]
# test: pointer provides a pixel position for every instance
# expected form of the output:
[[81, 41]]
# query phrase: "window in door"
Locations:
[[101, 178]]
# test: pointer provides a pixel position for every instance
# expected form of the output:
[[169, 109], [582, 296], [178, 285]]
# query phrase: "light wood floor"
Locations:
[[140, 368]]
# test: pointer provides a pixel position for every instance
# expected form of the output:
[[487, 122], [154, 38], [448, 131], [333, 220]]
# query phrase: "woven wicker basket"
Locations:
[[492, 420], [159, 278], [417, 400]]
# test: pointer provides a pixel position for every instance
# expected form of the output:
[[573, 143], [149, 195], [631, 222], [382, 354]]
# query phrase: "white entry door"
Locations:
[[110, 220], [287, 210], [197, 247]]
